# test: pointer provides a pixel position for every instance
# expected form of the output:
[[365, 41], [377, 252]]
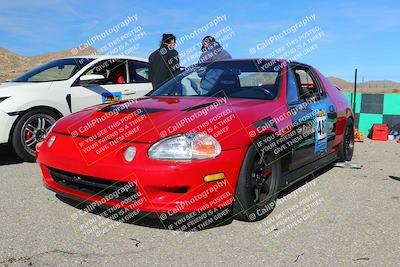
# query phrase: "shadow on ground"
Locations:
[[7, 156], [296, 185], [394, 178], [147, 219]]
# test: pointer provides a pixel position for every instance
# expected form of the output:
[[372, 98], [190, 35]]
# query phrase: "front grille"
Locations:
[[122, 191]]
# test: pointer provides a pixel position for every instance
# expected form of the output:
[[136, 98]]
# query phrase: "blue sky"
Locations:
[[362, 34]]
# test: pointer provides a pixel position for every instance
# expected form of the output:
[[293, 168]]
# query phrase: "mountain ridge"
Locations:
[[378, 86], [12, 65]]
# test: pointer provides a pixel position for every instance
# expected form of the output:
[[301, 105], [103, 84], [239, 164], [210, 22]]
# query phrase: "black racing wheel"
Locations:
[[257, 186], [346, 148]]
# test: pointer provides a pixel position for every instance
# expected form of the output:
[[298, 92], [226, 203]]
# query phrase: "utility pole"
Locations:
[[355, 91]]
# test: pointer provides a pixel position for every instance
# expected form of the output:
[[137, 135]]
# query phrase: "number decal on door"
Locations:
[[321, 140], [321, 127]]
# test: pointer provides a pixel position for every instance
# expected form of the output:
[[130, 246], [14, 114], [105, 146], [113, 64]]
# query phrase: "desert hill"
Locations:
[[383, 86], [13, 65]]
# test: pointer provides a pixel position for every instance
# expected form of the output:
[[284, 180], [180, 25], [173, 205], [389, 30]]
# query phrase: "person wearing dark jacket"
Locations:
[[212, 51], [164, 62]]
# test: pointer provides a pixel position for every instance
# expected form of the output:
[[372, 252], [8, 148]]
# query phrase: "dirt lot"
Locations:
[[347, 218]]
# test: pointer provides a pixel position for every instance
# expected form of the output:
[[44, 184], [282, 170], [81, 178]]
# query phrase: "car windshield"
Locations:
[[253, 79], [56, 70]]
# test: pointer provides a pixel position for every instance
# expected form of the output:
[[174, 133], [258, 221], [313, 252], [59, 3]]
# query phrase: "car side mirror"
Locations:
[[91, 79]]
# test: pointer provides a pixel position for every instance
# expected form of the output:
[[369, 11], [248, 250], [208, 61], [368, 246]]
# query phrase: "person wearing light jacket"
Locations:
[[212, 51]]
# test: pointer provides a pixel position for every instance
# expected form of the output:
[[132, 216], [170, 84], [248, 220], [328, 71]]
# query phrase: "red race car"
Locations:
[[223, 136]]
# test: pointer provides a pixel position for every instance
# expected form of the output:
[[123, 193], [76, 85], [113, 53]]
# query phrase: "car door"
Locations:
[[322, 109], [139, 83], [113, 87], [329, 114], [316, 121], [303, 122]]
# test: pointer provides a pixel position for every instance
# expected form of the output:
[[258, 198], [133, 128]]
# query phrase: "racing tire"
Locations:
[[30, 129], [260, 171], [346, 148]]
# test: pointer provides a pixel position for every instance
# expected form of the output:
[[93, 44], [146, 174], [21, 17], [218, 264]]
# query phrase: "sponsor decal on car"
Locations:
[[111, 97]]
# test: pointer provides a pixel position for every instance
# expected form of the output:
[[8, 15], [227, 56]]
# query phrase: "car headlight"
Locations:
[[187, 146]]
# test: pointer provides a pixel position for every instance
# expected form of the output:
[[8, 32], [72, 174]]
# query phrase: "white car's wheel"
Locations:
[[30, 129]]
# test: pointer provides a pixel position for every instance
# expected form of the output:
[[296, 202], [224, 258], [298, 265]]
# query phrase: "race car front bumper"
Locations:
[[145, 185], [6, 122]]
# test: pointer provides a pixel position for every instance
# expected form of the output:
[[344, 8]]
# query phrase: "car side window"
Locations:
[[113, 70], [57, 73], [318, 84], [138, 71], [292, 92], [308, 86]]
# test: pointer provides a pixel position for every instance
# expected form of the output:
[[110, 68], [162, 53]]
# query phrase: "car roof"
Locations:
[[102, 57], [263, 59]]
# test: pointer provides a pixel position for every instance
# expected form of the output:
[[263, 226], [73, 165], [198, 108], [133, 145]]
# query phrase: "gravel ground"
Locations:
[[341, 217]]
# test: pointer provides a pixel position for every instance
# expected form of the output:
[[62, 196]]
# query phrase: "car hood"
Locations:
[[13, 88], [151, 119]]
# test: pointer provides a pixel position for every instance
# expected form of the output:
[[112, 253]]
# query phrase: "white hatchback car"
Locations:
[[33, 102]]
